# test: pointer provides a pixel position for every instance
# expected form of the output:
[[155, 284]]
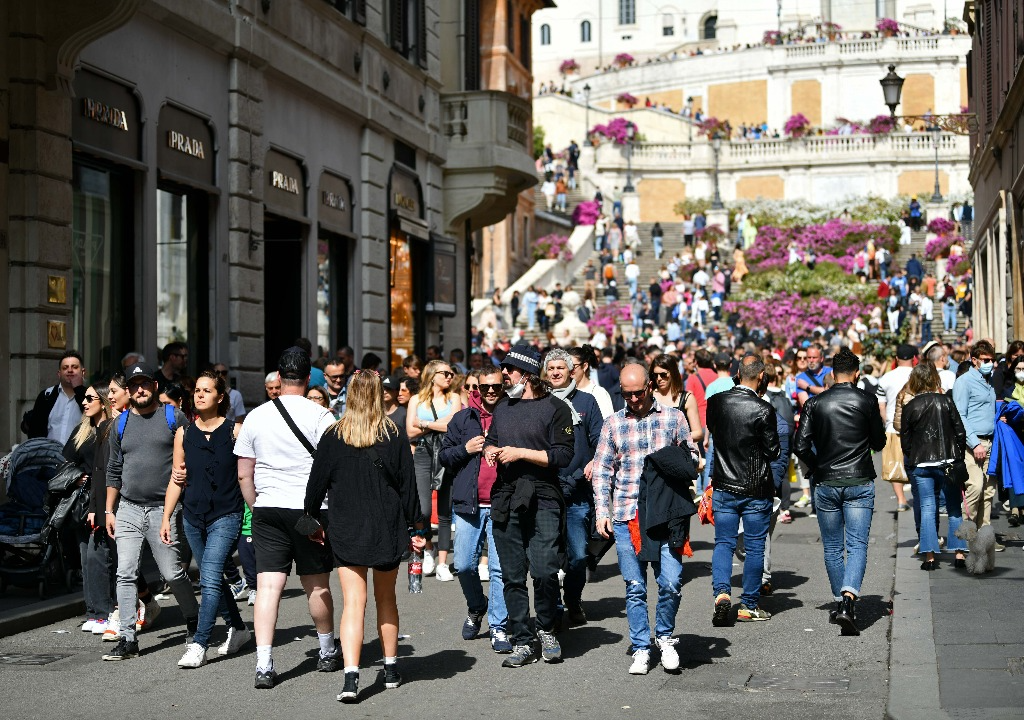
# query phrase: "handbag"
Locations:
[[433, 442], [893, 469], [705, 508], [956, 473]]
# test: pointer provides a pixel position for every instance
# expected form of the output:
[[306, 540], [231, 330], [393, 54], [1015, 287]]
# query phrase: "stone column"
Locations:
[[373, 250]]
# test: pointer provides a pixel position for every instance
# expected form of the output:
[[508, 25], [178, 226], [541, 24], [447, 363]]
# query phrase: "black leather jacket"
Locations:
[[931, 430], [746, 438], [838, 430]]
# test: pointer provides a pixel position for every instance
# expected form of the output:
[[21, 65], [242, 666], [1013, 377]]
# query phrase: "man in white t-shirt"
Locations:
[[889, 386], [937, 354], [274, 460]]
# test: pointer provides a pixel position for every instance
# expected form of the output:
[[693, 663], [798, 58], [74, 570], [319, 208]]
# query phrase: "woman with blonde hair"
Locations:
[[426, 423], [364, 467]]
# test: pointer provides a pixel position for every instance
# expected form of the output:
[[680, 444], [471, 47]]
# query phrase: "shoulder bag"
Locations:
[[432, 442], [294, 428], [956, 470]]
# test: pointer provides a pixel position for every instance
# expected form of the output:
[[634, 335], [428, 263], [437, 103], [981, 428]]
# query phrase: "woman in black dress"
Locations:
[[364, 466]]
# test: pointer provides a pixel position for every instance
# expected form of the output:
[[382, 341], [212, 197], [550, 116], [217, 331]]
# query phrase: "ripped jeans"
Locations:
[[669, 574]]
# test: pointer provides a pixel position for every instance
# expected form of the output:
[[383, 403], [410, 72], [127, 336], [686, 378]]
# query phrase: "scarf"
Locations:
[[563, 394]]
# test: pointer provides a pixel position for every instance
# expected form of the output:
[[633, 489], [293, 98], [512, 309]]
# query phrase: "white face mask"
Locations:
[[1019, 375], [516, 391]]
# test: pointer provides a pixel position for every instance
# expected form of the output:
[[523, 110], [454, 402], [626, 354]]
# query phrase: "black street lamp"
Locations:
[[935, 130], [586, 122], [630, 134], [892, 87], [689, 117], [716, 146]]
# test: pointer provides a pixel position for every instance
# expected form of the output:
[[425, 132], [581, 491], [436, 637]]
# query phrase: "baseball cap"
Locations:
[[723, 360], [524, 358], [140, 370], [293, 364], [391, 382], [906, 352]]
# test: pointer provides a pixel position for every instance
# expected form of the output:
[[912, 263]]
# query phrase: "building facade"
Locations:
[[238, 174], [997, 157]]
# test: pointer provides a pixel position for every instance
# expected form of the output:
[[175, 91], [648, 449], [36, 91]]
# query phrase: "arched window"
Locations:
[[668, 25], [710, 26], [545, 34], [627, 12], [585, 31]]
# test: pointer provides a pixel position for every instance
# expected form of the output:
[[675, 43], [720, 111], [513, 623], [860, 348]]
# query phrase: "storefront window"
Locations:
[[323, 295], [403, 334], [100, 295], [332, 292]]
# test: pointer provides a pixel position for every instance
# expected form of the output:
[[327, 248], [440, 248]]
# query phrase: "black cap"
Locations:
[[391, 382], [723, 361], [906, 352], [140, 370], [293, 364], [523, 357]]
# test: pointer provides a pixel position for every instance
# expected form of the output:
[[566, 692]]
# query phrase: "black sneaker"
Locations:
[[471, 628], [521, 655], [124, 650], [330, 663], [723, 606], [265, 679], [351, 689], [392, 678], [576, 615]]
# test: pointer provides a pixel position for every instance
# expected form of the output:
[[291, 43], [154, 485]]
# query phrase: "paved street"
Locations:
[[794, 666]]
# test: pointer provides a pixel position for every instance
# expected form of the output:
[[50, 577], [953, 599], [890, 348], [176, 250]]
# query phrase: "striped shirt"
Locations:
[[626, 441]]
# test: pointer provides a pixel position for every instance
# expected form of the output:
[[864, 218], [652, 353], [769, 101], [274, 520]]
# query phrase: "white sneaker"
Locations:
[[803, 502], [429, 563], [99, 626], [236, 639], [669, 656], [148, 614], [444, 574], [641, 662], [484, 571], [252, 597], [88, 625], [195, 656]]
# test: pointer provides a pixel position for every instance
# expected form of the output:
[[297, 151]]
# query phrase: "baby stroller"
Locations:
[[28, 557]]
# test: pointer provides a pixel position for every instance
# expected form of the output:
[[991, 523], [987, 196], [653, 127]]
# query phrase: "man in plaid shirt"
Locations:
[[627, 438]]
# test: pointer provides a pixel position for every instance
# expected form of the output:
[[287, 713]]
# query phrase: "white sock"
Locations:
[[351, 668], [263, 660], [326, 643], [390, 660]]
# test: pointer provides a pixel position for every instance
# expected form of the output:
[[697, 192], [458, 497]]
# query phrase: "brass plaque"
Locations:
[[56, 289], [56, 334]]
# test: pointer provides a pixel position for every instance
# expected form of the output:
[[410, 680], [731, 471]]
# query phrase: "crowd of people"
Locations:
[[538, 461]]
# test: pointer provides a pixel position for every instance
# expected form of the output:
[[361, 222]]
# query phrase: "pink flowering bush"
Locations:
[[832, 241], [623, 59], [887, 25], [882, 125], [941, 226], [552, 247], [627, 99], [788, 316], [711, 125], [568, 67], [939, 247], [772, 37], [586, 213], [606, 317], [617, 130], [961, 268], [797, 125], [711, 233]]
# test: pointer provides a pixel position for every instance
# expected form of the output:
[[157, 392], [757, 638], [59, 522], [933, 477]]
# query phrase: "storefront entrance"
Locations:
[[282, 287]]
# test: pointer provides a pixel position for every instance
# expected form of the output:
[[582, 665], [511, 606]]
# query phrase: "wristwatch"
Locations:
[[108, 512]]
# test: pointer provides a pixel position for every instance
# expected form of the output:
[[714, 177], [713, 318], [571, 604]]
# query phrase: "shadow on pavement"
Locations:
[[610, 606], [697, 650], [439, 665], [578, 641], [870, 609]]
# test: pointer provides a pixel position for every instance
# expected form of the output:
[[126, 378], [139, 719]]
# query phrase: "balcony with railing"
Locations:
[[489, 154]]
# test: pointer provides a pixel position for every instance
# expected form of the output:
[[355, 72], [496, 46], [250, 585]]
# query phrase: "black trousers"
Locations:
[[530, 539]]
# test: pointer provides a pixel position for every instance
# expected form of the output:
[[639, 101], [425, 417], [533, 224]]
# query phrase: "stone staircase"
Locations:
[[916, 246], [573, 198]]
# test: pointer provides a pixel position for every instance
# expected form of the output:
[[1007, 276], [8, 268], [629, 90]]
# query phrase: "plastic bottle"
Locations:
[[415, 571]]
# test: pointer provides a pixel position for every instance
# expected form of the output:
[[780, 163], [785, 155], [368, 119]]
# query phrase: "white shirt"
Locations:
[[604, 400], [64, 417], [700, 278], [947, 378], [236, 408], [889, 386], [632, 271], [282, 463], [925, 307]]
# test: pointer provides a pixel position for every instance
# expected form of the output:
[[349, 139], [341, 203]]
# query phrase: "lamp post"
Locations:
[[490, 287], [716, 146], [935, 130], [586, 122], [630, 134], [689, 116], [892, 87]]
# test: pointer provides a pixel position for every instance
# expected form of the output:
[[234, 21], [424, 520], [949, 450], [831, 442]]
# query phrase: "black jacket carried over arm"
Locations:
[[665, 500], [463, 427], [746, 441], [931, 430], [369, 510], [838, 430]]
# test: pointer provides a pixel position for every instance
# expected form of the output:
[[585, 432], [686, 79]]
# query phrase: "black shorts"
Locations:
[[277, 545], [376, 568]]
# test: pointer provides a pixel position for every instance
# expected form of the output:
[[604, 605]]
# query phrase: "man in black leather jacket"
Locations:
[[838, 431], [746, 441]]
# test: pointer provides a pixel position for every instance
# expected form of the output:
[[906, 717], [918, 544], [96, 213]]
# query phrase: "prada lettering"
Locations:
[[184, 144], [95, 110], [333, 200], [404, 201], [284, 182]]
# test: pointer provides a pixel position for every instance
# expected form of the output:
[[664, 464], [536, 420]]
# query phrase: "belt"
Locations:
[[985, 437]]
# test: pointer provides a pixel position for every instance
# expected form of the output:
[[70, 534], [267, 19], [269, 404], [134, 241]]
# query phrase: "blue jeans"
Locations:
[[577, 534], [659, 247], [926, 331], [948, 316], [929, 482], [704, 479], [669, 575], [756, 514], [469, 529], [844, 519], [211, 546]]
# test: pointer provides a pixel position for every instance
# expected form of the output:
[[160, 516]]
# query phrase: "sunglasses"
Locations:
[[490, 387], [334, 377], [135, 384], [662, 375], [91, 398], [635, 395], [220, 372], [446, 373]]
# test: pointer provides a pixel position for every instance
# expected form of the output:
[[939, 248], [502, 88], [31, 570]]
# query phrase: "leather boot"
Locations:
[[846, 617]]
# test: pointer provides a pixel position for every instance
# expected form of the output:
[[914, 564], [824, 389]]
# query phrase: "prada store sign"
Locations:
[[106, 116], [335, 203], [185, 147], [405, 195], [285, 190]]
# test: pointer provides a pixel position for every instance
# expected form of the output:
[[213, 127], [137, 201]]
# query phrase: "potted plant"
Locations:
[[952, 26], [568, 67], [772, 37], [887, 27], [627, 99], [882, 125], [797, 125], [831, 29], [712, 126], [623, 59]]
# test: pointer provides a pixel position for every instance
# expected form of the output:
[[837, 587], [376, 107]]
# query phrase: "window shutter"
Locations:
[[397, 21], [471, 45], [359, 11], [421, 30]]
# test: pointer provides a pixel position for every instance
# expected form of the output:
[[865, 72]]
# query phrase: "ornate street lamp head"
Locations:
[[892, 87], [586, 92]]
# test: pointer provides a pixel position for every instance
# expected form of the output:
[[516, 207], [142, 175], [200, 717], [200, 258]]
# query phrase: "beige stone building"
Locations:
[[235, 174]]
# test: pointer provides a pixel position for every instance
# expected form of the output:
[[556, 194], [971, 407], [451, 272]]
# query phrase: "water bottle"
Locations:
[[415, 570]]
